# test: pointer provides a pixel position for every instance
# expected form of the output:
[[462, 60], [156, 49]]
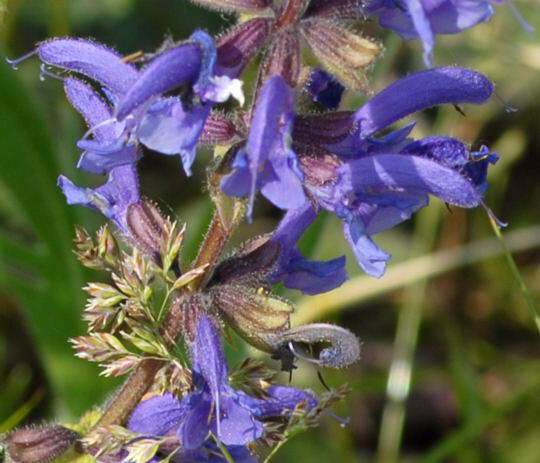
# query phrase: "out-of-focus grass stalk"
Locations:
[[517, 274], [475, 427], [363, 287], [22, 412], [408, 327], [8, 9]]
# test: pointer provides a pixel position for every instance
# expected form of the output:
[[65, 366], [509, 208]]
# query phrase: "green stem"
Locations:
[[223, 449], [475, 427], [529, 301]]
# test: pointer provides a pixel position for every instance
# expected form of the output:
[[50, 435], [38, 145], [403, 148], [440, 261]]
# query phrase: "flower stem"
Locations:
[[131, 393], [214, 242], [223, 449], [517, 274], [291, 13]]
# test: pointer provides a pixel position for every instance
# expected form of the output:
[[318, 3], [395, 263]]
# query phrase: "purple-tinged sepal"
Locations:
[[239, 45], [336, 9], [38, 444], [340, 51], [238, 6]]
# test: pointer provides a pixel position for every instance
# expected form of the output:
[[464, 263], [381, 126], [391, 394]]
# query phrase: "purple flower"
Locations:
[[134, 108], [372, 183], [424, 19], [122, 188], [267, 162], [295, 271], [233, 416], [112, 199], [381, 182]]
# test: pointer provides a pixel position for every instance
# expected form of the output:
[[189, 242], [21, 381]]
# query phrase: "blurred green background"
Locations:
[[451, 360]]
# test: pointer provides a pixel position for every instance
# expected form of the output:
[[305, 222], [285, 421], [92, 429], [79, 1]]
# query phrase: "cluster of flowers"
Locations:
[[302, 162]]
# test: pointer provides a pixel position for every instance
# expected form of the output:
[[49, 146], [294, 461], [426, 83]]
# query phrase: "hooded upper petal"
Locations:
[[167, 71], [419, 91], [90, 59]]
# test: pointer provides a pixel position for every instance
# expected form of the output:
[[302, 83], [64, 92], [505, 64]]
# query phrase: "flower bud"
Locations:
[[107, 245], [147, 228], [38, 444]]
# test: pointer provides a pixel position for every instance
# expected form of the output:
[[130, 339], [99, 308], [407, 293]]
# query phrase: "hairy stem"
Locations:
[[214, 242], [131, 393], [291, 13]]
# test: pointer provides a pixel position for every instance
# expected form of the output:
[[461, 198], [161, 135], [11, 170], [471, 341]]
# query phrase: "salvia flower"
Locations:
[[267, 162], [424, 19], [135, 107], [371, 183], [293, 269], [233, 416]]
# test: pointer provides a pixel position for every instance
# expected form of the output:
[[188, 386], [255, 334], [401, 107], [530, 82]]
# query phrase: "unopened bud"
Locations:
[[39, 444], [147, 229]]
